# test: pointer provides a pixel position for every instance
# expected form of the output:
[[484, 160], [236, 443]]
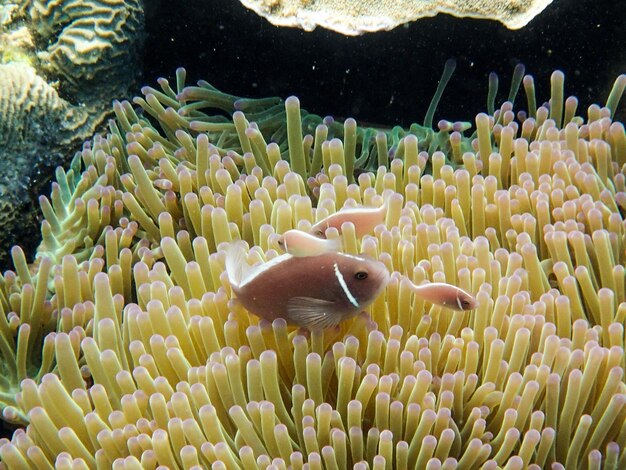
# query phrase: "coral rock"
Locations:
[[353, 17]]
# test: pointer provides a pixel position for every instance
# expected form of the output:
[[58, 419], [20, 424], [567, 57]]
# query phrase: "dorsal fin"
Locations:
[[237, 267], [238, 270]]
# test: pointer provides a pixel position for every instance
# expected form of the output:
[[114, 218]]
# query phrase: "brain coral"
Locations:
[[89, 41], [32, 112], [132, 354], [90, 51], [27, 103]]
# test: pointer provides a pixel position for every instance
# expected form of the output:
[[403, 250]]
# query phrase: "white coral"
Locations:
[[353, 17]]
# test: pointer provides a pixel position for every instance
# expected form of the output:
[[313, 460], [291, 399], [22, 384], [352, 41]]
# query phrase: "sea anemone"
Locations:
[[155, 365]]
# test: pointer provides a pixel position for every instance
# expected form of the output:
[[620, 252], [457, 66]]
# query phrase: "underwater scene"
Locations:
[[312, 234]]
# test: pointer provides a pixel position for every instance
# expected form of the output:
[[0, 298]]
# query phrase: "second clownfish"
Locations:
[[445, 295], [363, 218], [299, 243]]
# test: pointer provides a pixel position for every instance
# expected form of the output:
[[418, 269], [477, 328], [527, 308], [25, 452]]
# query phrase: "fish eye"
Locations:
[[280, 242], [319, 233], [361, 275]]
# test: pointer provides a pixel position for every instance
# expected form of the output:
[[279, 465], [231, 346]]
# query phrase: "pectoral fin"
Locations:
[[310, 313]]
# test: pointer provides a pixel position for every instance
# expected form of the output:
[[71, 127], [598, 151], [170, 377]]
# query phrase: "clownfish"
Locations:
[[313, 292], [445, 295], [299, 243], [363, 218]]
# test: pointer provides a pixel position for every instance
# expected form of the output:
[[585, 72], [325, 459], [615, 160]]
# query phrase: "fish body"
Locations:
[[363, 218], [313, 292], [445, 295], [299, 243]]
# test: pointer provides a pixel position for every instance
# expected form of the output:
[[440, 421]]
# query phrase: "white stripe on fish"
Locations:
[[344, 286]]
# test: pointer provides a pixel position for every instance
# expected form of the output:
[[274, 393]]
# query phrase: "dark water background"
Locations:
[[388, 77]]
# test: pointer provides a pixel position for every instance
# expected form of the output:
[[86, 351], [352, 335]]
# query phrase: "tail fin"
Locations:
[[237, 267]]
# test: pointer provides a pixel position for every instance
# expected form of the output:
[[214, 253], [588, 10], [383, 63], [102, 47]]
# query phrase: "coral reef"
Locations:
[[354, 17], [154, 365], [89, 45], [27, 104], [36, 127], [90, 50]]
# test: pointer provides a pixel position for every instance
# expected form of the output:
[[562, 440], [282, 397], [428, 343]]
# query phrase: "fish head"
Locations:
[[318, 230], [361, 277], [280, 241], [466, 301], [462, 301]]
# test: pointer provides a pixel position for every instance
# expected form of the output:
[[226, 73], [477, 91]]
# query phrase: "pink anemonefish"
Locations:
[[314, 292], [445, 295], [363, 218], [299, 243]]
